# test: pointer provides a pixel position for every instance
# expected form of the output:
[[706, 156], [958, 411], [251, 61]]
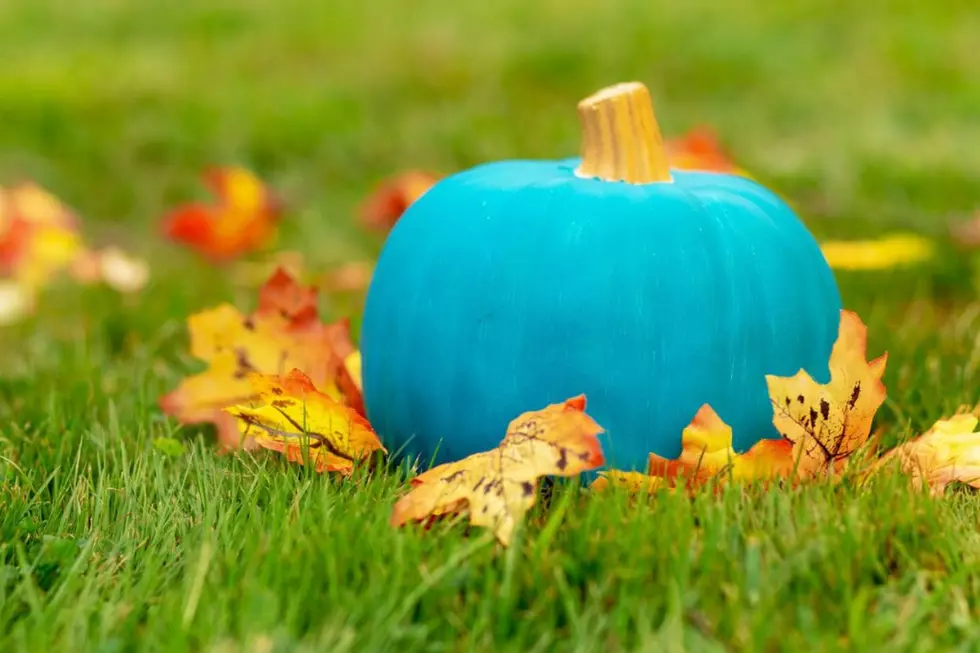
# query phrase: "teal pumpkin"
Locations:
[[518, 284]]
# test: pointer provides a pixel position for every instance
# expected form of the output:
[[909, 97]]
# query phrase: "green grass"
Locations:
[[864, 116]]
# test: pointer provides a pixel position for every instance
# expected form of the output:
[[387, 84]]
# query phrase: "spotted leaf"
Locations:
[[828, 423], [496, 488], [289, 415]]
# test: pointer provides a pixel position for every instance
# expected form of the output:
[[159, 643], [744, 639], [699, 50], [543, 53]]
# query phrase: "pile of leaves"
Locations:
[[284, 337]]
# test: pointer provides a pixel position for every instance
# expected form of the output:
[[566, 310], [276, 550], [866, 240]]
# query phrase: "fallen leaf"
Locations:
[[38, 235], [706, 454], [385, 205], [878, 254], [822, 427], [40, 238], [967, 232], [32, 203], [121, 271], [51, 250], [699, 149], [707, 451], [349, 382], [235, 346], [224, 382], [281, 296], [949, 452], [291, 416], [243, 218], [114, 267], [283, 333], [15, 237], [338, 335], [496, 488], [827, 424], [16, 302]]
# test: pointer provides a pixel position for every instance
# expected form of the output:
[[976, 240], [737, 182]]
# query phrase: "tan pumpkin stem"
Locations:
[[621, 140]]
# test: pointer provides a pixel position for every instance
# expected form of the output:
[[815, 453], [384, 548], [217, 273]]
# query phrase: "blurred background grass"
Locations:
[[864, 113]]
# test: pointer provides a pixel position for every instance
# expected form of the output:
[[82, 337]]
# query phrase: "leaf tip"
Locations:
[[576, 403]]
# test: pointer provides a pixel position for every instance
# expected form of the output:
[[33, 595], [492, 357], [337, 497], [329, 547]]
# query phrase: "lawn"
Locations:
[[864, 116]]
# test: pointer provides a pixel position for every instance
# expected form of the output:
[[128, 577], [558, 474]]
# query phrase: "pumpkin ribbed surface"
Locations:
[[517, 284]]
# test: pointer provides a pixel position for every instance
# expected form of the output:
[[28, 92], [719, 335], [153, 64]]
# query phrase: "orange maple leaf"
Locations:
[[828, 423], [822, 426], [706, 450], [498, 487], [282, 334], [15, 237], [282, 296], [385, 205], [243, 219], [949, 452], [289, 415], [699, 149]]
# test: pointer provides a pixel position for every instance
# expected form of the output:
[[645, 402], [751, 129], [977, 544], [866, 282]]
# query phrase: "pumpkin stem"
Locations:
[[621, 140]]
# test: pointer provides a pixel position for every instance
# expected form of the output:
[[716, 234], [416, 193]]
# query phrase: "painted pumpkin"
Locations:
[[516, 284]]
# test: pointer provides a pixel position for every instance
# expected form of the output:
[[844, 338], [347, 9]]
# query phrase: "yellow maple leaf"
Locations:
[[282, 334], [241, 189], [706, 454], [822, 426], [234, 347], [948, 452], [352, 363], [877, 254], [51, 250], [827, 424], [498, 487], [291, 416]]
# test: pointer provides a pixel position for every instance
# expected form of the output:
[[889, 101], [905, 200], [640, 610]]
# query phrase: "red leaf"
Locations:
[[243, 218], [389, 201]]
